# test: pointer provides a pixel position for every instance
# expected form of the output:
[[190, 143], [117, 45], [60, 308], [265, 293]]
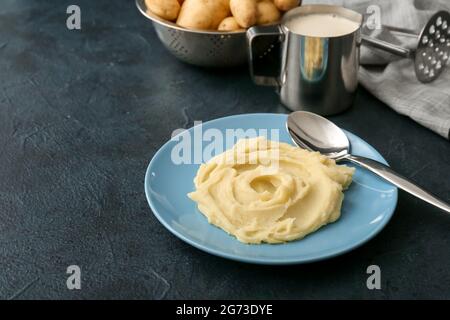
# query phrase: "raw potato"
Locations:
[[203, 14], [244, 11], [166, 9], [285, 5], [222, 15], [267, 12], [229, 24]]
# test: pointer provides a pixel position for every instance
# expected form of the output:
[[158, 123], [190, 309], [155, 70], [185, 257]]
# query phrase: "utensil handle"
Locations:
[[402, 31], [386, 46], [398, 180], [264, 47]]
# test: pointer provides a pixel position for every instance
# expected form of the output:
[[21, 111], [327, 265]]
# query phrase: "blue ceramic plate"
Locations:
[[368, 205]]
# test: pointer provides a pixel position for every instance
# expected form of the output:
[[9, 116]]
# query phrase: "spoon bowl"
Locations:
[[315, 133]]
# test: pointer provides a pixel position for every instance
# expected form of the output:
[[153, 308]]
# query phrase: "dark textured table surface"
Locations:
[[82, 113]]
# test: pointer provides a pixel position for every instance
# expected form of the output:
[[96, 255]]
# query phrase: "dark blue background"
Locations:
[[81, 115]]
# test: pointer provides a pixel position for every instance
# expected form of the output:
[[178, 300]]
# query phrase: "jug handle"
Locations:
[[256, 61]]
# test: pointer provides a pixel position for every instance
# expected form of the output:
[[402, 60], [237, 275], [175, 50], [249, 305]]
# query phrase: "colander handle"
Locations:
[[264, 48]]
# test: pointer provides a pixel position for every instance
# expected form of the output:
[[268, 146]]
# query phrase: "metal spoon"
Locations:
[[313, 132]]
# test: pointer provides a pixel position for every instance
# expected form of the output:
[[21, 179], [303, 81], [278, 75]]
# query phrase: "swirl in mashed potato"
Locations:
[[265, 191]]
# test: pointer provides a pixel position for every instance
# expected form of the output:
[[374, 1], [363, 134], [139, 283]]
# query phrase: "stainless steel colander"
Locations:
[[201, 48]]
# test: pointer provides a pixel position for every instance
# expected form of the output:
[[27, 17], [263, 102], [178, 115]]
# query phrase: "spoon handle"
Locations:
[[396, 179]]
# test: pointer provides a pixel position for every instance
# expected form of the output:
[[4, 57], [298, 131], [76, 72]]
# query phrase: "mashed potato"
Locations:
[[265, 191]]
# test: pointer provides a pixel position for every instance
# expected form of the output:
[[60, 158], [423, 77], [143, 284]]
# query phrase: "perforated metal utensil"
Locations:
[[433, 47]]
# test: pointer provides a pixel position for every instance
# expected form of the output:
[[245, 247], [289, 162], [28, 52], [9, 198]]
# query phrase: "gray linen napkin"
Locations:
[[392, 79]]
